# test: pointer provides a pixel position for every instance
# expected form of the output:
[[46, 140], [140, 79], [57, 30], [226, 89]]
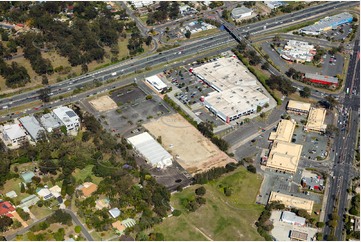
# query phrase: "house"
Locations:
[[11, 194], [102, 203], [67, 117], [44, 193], [6, 209], [114, 212], [56, 191], [27, 176], [33, 127], [119, 227], [28, 201], [88, 188], [13, 134]]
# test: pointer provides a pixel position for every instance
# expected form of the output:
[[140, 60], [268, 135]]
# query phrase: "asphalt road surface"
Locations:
[[344, 145], [167, 56]]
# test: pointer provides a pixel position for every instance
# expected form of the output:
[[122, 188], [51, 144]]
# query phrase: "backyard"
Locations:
[[222, 217]]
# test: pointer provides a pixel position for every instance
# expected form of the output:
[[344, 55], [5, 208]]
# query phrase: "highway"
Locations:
[[344, 145], [130, 66]]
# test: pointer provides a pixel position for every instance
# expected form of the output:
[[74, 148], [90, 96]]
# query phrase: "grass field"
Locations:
[[204, 33], [221, 218], [87, 171]]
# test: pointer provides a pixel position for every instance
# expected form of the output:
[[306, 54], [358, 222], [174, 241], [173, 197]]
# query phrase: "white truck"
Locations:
[[114, 73]]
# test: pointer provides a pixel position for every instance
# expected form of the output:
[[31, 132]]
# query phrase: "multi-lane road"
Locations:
[[194, 48], [344, 146]]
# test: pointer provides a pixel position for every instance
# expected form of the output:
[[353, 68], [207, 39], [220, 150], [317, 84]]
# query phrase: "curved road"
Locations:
[[71, 213]]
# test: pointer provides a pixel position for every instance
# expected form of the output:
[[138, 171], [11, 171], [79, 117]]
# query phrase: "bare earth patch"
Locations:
[[192, 150], [104, 103]]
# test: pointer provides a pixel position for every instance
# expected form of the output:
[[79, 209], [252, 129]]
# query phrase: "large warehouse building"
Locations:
[[237, 92], [151, 150], [292, 201], [327, 23]]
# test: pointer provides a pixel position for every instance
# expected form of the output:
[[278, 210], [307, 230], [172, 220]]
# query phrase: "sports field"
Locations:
[[222, 217], [193, 151]]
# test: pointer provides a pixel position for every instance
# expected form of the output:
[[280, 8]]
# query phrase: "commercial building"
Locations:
[[284, 131], [140, 4], [297, 235], [292, 218], [315, 120], [156, 82], [67, 117], [151, 150], [13, 134], [327, 23], [33, 127], [284, 156], [237, 92], [241, 12], [321, 79], [292, 201], [298, 51], [274, 4], [298, 107]]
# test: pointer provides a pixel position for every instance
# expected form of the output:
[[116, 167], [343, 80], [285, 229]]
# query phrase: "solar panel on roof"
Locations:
[[70, 114]]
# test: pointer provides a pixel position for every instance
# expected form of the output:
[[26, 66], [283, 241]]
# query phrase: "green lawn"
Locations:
[[13, 185], [87, 171], [221, 218], [204, 33], [40, 212]]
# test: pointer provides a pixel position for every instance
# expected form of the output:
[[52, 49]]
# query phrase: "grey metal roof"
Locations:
[[49, 122], [32, 126], [327, 22], [292, 217], [240, 10]]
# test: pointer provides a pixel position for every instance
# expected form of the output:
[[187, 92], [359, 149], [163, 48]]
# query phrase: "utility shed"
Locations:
[[151, 150]]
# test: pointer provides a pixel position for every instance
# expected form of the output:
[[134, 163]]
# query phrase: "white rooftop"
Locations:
[[14, 131], [155, 154], [66, 114], [156, 82], [236, 100], [291, 217]]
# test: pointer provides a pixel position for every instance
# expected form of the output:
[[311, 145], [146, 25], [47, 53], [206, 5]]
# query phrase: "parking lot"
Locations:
[[191, 89], [332, 64], [133, 108], [340, 33]]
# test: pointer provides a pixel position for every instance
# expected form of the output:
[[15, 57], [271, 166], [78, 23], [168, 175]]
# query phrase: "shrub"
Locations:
[[176, 213], [251, 168], [200, 191]]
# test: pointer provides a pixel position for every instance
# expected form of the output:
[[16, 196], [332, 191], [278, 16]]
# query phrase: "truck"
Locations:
[[114, 73], [347, 90]]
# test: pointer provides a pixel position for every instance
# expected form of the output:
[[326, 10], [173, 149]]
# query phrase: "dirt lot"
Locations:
[[194, 152], [104, 103]]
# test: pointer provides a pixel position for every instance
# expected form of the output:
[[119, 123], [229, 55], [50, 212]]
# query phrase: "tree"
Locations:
[[262, 115], [259, 109], [77, 229], [84, 68], [225, 14], [176, 212], [5, 222], [44, 94], [227, 191], [251, 168], [320, 224], [188, 34], [265, 66], [44, 80], [22, 188], [200, 191], [306, 92], [148, 41]]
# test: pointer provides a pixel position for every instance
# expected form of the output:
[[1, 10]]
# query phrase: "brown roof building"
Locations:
[[88, 188]]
